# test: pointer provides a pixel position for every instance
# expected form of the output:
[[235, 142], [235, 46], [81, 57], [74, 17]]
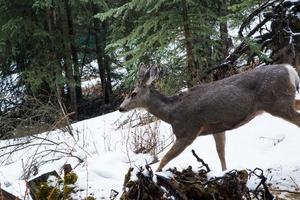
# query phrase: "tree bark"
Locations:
[[224, 29], [68, 61], [191, 70], [107, 62], [77, 76], [100, 30], [53, 55]]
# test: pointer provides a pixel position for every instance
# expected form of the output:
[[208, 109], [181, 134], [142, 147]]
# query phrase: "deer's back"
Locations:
[[235, 100]]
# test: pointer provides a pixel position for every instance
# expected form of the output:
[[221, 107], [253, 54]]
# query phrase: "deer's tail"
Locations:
[[294, 77], [297, 104]]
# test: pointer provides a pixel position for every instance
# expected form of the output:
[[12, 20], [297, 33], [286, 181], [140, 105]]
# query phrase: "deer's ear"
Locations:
[[147, 75], [153, 74], [143, 70]]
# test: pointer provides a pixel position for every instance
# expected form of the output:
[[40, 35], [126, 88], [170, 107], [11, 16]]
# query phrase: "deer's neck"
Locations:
[[160, 105]]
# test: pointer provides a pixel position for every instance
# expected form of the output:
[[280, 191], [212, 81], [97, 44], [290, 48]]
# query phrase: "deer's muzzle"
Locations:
[[122, 109]]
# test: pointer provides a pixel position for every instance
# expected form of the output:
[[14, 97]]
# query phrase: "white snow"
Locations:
[[90, 83], [93, 79], [266, 142], [7, 98]]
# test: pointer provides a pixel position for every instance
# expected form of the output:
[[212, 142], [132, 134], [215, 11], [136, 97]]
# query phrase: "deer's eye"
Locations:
[[133, 94]]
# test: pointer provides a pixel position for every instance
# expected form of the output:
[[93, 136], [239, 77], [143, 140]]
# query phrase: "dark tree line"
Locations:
[[46, 46], [49, 43]]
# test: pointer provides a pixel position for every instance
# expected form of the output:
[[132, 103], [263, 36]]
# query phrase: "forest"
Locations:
[[48, 48], [67, 65]]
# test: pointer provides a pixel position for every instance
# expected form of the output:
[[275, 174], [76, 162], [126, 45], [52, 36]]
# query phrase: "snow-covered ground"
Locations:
[[266, 142]]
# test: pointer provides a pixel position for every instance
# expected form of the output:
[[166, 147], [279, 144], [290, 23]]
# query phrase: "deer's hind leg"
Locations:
[[286, 109], [220, 141], [293, 117]]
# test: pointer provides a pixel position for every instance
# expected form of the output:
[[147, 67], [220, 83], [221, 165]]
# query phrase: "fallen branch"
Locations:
[[189, 184], [265, 192], [201, 161], [287, 191], [296, 185]]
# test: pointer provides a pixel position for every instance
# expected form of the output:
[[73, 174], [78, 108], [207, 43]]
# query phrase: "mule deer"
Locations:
[[218, 106]]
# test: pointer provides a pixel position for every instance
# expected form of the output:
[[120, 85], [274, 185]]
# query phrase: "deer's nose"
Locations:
[[122, 109]]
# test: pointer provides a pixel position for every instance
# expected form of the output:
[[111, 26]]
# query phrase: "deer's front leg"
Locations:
[[179, 145], [220, 140]]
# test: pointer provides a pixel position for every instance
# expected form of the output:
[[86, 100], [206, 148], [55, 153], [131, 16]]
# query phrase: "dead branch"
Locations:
[[255, 13], [265, 192], [279, 42], [201, 161], [172, 187], [296, 185], [287, 191]]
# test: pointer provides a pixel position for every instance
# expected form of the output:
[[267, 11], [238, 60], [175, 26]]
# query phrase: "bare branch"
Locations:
[[201, 161], [255, 13]]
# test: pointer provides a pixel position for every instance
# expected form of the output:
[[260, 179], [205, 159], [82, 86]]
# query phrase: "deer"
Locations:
[[219, 106]]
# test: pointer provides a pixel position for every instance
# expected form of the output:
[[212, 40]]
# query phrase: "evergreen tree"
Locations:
[[177, 33]]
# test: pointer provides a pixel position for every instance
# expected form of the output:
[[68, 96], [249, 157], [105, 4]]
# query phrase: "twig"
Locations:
[[113, 194], [45, 139], [19, 148], [254, 14], [201, 161], [61, 152], [63, 110], [171, 186], [263, 179], [287, 191], [296, 185], [13, 145], [167, 145]]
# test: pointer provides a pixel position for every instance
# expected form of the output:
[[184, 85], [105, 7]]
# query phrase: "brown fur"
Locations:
[[297, 104], [219, 106]]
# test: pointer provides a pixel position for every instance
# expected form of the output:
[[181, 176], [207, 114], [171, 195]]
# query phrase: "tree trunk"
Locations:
[[100, 29], [191, 70], [68, 61], [225, 44], [77, 76], [108, 75], [53, 58]]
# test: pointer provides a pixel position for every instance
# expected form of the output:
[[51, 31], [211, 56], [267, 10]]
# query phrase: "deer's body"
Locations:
[[223, 105]]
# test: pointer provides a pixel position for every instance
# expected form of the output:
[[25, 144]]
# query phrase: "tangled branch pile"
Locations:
[[189, 184]]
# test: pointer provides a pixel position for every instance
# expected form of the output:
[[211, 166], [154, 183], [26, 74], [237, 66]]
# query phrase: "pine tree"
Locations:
[[181, 32]]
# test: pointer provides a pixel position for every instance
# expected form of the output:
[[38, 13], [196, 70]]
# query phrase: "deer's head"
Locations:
[[140, 95]]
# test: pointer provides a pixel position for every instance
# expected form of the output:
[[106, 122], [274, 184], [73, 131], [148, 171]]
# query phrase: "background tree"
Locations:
[[46, 44], [183, 35], [48, 47]]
